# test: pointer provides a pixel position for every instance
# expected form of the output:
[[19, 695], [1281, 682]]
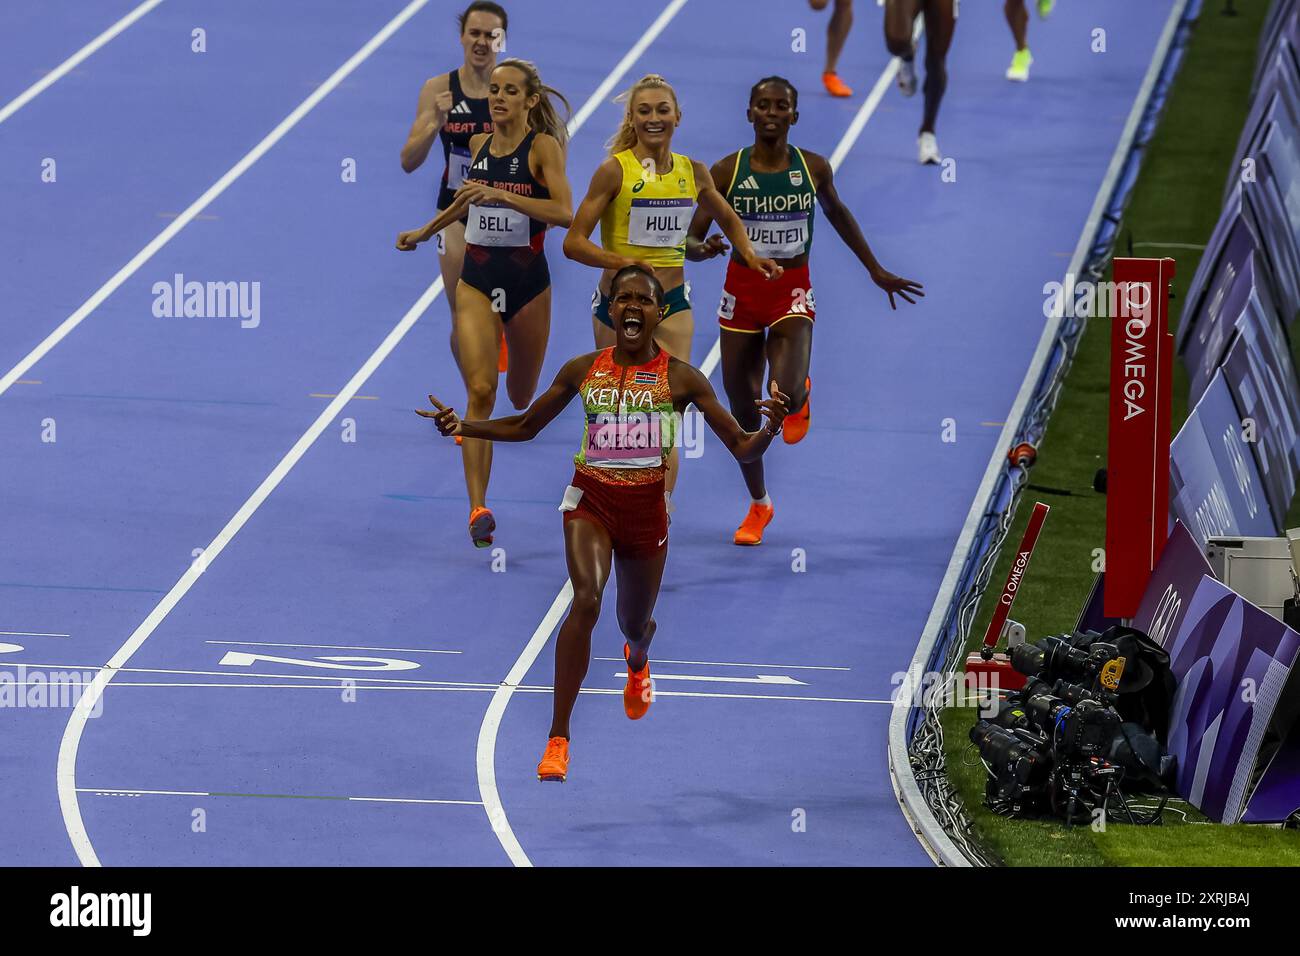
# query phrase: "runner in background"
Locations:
[[1018, 20], [453, 107], [837, 31], [940, 23], [514, 189]]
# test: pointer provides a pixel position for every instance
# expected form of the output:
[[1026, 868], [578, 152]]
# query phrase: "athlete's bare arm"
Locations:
[[525, 425], [430, 113], [545, 157], [711, 200], [605, 184], [698, 248], [690, 387], [407, 241], [839, 216]]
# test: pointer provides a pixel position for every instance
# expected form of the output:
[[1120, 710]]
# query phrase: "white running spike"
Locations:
[[927, 150]]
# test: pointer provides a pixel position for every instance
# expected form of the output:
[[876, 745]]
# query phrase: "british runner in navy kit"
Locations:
[[453, 108], [515, 187]]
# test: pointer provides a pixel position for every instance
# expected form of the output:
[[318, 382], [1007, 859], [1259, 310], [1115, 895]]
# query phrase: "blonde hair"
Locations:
[[543, 117], [625, 137]]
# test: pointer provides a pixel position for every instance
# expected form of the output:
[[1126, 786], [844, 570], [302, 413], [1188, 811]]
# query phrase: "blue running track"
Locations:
[[772, 684]]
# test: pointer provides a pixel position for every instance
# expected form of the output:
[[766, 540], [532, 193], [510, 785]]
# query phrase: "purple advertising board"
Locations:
[[1233, 236], [1262, 380], [1277, 795], [1271, 204], [1169, 591], [1214, 483], [1230, 660], [1227, 295]]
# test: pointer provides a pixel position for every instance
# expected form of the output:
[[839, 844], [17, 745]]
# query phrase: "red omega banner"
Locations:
[[1137, 458]]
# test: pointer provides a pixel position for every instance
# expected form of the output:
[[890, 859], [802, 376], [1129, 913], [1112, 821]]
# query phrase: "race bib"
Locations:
[[458, 161], [661, 223], [624, 441], [496, 226], [727, 307], [777, 235]]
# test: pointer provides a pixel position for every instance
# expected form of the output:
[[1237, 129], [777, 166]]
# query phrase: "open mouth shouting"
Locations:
[[633, 324]]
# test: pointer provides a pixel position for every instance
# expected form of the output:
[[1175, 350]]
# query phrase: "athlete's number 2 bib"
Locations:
[[458, 161], [496, 226], [661, 223], [777, 235]]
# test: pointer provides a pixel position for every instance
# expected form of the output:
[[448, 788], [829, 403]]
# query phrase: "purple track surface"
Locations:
[[773, 685]]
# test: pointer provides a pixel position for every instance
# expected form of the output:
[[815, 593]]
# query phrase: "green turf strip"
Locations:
[[1177, 199]]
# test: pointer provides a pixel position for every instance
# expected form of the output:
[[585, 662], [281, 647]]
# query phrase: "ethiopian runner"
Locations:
[[772, 186]]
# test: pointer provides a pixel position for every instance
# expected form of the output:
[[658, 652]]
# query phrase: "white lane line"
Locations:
[[487, 734], [492, 688], [485, 756], [795, 667], [213, 191], [760, 679], [341, 647], [31, 634], [72, 62], [120, 792], [114, 792]]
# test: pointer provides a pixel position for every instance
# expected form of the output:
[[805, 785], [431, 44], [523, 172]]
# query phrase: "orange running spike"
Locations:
[[481, 526], [555, 761], [834, 85], [503, 357], [638, 692], [751, 529], [795, 426]]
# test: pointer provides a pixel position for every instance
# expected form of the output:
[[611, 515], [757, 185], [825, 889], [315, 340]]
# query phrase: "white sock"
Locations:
[[766, 501]]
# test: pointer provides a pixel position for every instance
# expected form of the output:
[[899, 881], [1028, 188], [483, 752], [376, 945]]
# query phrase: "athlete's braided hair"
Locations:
[[484, 6], [542, 118], [625, 137], [794, 93], [638, 270]]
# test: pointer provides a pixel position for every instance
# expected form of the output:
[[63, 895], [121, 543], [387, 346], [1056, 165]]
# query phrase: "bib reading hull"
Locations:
[[659, 223], [650, 215]]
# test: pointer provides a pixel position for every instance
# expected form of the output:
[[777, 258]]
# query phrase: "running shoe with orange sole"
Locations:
[[835, 86], [638, 692], [555, 761], [503, 357], [795, 425], [751, 529], [481, 526]]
